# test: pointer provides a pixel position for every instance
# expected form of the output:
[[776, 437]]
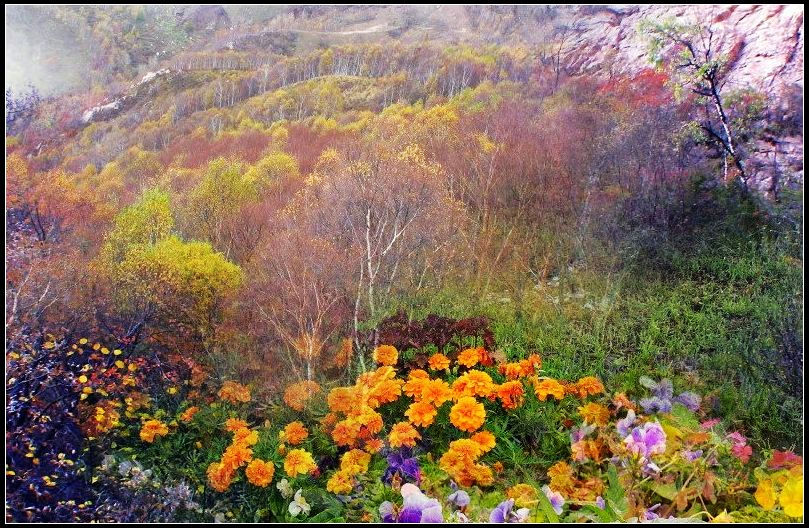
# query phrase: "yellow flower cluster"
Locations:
[[524, 495], [354, 462], [790, 496], [299, 462]]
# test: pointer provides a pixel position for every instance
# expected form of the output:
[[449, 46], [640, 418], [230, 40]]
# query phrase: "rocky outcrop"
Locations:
[[143, 88], [764, 42]]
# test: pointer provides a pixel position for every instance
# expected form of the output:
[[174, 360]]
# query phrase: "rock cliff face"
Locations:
[[765, 42]]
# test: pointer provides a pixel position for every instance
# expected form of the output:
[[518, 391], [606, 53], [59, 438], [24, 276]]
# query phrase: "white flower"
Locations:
[[284, 488], [299, 505]]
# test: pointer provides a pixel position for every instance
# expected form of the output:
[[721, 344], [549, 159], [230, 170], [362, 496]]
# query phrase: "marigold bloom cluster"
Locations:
[[294, 433], [152, 428], [234, 392], [549, 387], [511, 394], [467, 415], [299, 462], [438, 362], [403, 434], [386, 355], [460, 462], [260, 473], [236, 455]]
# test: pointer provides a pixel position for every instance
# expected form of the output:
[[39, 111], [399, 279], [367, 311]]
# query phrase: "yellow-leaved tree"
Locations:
[[157, 279]]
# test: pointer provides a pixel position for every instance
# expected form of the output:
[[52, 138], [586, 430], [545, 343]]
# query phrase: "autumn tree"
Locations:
[[155, 277], [696, 64]]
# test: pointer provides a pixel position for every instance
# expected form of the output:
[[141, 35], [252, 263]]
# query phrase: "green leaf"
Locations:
[[667, 491]]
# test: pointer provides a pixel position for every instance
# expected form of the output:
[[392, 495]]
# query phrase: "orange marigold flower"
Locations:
[[341, 399], [531, 365], [561, 476], [421, 414], [234, 392], [294, 433], [297, 395], [589, 386], [473, 383], [234, 424], [245, 437], [370, 420], [511, 394], [373, 445], [511, 371], [219, 476], [485, 440], [498, 467], [386, 355], [418, 374], [259, 473], [189, 413], [436, 392], [466, 448], [482, 474], [595, 413], [403, 434], [355, 462], [345, 433], [237, 455], [588, 449], [385, 391], [299, 462], [341, 483], [549, 387], [620, 400], [328, 421], [438, 362], [467, 415], [469, 357], [152, 428]]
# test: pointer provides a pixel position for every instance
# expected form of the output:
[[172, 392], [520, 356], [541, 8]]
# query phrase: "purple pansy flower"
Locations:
[[647, 440], [624, 424], [600, 502], [504, 513], [555, 498], [692, 455], [690, 400], [416, 508], [404, 464], [458, 497]]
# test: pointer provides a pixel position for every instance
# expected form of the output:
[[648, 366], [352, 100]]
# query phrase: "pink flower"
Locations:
[[737, 438], [708, 424], [742, 452]]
